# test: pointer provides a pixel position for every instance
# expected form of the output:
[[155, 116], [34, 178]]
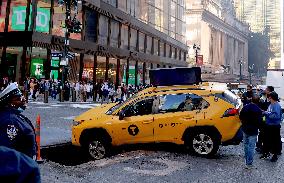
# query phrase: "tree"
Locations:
[[259, 51]]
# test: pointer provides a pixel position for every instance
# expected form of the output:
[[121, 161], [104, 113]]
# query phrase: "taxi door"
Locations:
[[137, 124], [176, 113]]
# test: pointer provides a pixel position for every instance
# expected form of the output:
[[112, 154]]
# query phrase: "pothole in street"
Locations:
[[65, 154]]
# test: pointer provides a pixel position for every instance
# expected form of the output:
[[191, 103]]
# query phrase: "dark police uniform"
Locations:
[[17, 167], [17, 132]]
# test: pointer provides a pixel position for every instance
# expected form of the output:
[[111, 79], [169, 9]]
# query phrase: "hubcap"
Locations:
[[97, 150], [202, 144]]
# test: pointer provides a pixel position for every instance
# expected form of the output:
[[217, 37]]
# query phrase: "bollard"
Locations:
[[95, 96], [84, 97], [62, 96], [37, 132], [45, 96], [26, 95], [73, 92]]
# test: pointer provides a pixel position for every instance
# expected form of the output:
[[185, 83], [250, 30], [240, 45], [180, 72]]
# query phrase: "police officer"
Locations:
[[16, 130], [17, 167]]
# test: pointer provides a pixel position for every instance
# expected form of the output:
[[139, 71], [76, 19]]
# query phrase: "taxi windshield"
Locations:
[[118, 105]]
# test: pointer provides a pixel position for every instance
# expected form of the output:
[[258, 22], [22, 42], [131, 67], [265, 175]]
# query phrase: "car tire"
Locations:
[[202, 143], [97, 148]]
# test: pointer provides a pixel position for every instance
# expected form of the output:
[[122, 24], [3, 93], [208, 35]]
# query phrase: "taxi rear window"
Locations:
[[229, 97]]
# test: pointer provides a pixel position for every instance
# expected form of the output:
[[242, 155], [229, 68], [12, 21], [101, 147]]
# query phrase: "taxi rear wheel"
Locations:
[[97, 148], [203, 143]]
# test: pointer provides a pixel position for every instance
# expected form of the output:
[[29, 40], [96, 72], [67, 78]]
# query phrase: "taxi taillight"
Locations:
[[231, 112]]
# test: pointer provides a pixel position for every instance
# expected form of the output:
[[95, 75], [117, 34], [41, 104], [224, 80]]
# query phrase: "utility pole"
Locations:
[[241, 63], [72, 25]]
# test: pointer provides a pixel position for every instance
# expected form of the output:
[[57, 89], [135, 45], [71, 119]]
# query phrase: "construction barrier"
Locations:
[[37, 132]]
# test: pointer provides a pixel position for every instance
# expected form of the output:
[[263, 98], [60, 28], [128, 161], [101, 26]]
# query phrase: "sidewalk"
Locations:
[[56, 101]]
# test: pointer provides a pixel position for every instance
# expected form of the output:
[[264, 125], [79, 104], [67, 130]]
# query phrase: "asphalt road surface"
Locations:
[[138, 163]]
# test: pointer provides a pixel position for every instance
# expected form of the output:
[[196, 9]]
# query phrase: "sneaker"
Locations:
[[249, 167], [258, 150], [274, 158], [264, 156]]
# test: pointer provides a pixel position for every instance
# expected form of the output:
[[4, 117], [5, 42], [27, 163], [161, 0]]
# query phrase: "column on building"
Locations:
[[205, 42]]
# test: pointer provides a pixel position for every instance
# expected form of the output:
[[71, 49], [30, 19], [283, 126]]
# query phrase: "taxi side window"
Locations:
[[143, 107], [181, 102]]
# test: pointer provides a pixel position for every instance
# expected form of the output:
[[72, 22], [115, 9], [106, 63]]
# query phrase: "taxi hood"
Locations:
[[94, 112]]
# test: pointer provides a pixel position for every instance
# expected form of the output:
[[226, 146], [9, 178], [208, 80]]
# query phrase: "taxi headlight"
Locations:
[[75, 123]]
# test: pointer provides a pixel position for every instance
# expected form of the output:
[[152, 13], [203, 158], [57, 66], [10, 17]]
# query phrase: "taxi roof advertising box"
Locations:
[[175, 76]]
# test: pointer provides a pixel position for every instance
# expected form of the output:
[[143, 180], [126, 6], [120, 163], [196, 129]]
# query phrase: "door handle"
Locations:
[[188, 117], [147, 121]]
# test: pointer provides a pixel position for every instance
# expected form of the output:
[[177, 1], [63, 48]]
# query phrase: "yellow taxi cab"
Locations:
[[200, 117]]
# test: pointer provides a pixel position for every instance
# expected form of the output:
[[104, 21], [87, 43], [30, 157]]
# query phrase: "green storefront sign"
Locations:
[[19, 16], [37, 68], [131, 79], [54, 72]]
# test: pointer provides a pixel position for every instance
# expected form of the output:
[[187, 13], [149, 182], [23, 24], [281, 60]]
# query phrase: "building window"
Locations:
[[182, 55], [167, 53], [124, 37], [141, 41], [155, 47], [3, 15], [114, 33], [91, 25], [149, 44], [103, 30], [122, 5], [173, 53], [143, 11], [133, 39], [162, 48]]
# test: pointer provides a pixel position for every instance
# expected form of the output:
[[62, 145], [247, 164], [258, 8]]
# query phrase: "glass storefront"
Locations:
[[3, 15]]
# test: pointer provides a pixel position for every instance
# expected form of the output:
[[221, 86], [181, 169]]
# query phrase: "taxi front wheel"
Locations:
[[97, 148], [203, 143]]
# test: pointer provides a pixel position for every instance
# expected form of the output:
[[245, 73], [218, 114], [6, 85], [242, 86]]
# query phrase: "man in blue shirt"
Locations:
[[251, 118], [272, 136]]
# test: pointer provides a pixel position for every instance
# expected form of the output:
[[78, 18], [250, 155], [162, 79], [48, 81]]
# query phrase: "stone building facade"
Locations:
[[223, 40]]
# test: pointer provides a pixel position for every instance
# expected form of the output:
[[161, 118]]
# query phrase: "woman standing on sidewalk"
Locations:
[[272, 136]]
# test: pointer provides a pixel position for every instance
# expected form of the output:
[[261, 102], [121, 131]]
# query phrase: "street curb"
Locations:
[[77, 103], [56, 145]]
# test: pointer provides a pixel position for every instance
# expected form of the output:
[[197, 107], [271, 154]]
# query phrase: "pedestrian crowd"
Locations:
[[80, 91], [261, 119]]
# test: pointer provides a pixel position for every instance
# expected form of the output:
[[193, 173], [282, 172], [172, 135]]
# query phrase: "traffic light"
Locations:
[[77, 26], [61, 2]]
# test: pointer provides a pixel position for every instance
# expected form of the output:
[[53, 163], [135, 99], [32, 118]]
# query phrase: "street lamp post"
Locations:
[[196, 48], [72, 25], [241, 63], [250, 72]]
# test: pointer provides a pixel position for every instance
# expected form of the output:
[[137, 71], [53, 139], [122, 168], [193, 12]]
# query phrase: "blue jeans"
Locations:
[[249, 147]]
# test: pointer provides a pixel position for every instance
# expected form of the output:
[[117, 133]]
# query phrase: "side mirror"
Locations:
[[121, 115]]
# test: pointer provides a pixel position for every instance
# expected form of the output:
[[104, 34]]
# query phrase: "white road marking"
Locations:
[[172, 166], [57, 105], [68, 118], [85, 106], [45, 107]]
